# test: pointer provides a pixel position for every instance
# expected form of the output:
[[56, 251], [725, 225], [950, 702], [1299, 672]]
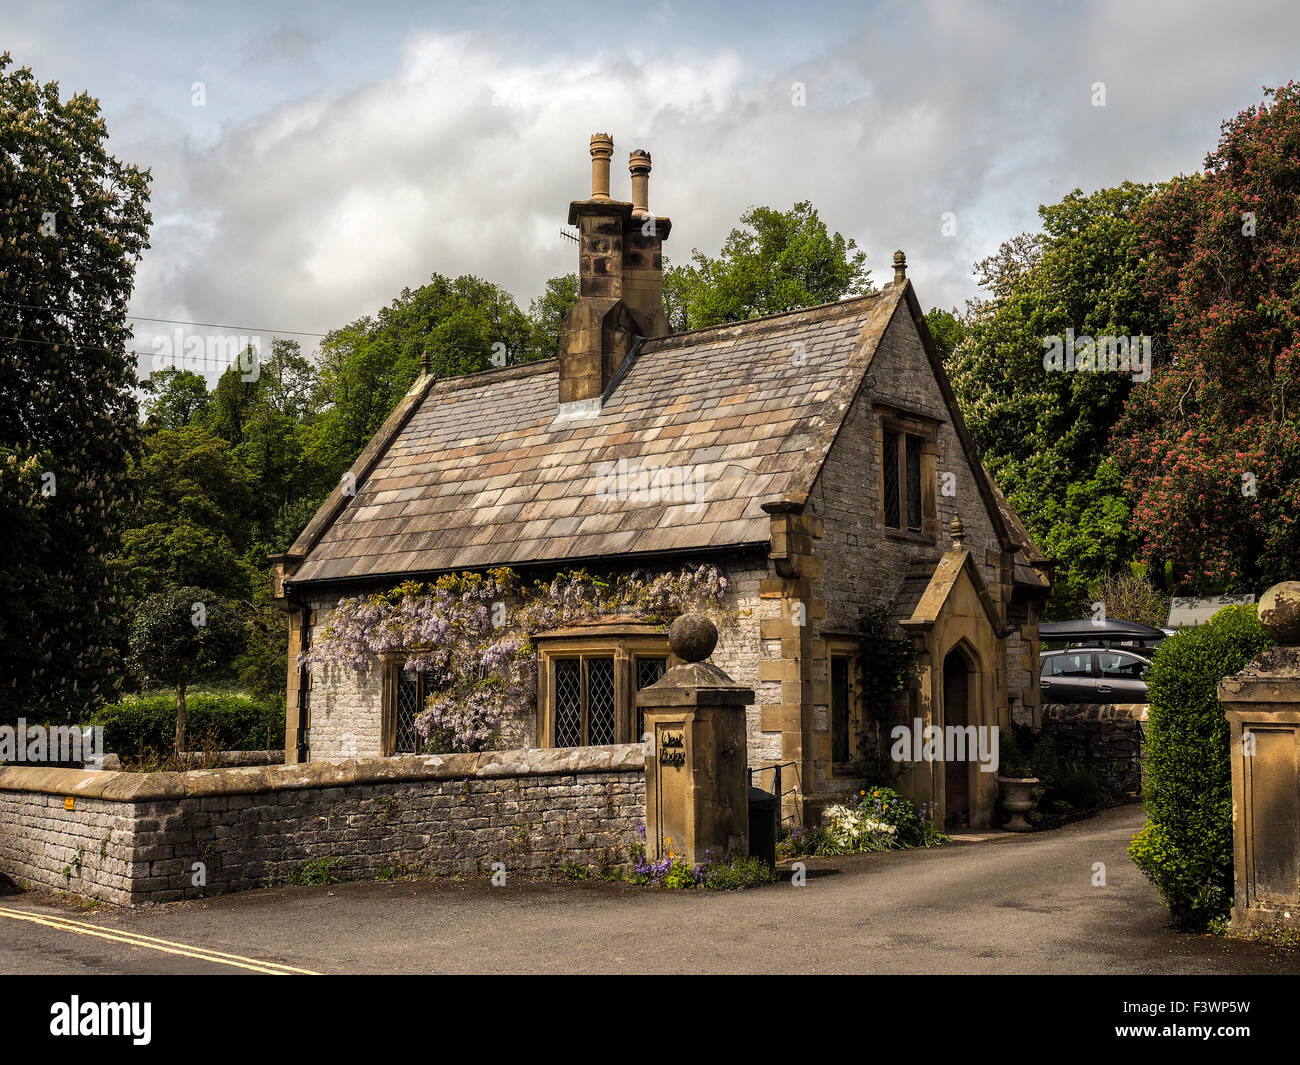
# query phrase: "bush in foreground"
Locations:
[[1185, 848]]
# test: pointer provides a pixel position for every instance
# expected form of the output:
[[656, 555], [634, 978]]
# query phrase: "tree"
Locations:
[[179, 634], [1210, 446], [176, 398], [73, 223], [947, 330], [547, 313], [775, 261], [462, 325], [191, 521], [1044, 435]]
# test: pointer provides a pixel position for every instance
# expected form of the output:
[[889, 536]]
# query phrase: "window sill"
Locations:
[[909, 537]]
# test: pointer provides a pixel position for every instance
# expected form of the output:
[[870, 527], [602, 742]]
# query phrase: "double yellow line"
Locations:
[[167, 946]]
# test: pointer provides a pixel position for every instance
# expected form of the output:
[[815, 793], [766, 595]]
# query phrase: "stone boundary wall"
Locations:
[[132, 838], [1092, 733], [225, 759]]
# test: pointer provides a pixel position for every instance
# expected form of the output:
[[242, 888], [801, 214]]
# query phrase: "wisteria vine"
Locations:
[[470, 633]]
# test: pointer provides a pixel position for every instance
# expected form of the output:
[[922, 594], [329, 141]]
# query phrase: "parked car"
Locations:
[[1093, 675], [1109, 632]]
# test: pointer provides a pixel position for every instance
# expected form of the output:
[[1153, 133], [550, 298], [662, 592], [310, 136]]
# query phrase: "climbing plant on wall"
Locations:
[[470, 634], [886, 660]]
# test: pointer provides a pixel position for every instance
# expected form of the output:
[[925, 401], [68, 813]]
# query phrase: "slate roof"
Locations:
[[476, 471]]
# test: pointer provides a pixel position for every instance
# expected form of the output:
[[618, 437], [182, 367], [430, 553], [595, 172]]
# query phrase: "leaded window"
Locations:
[[410, 697], [648, 670], [902, 483], [914, 483], [839, 708], [889, 460], [585, 703]]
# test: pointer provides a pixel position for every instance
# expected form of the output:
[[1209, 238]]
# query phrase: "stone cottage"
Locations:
[[817, 457]]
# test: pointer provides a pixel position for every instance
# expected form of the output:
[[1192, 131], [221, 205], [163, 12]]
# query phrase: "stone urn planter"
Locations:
[[1017, 800]]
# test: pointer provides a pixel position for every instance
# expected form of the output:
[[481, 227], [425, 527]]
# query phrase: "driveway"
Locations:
[[1009, 904]]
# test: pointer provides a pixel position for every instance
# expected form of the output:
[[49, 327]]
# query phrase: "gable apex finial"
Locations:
[[900, 267], [958, 531]]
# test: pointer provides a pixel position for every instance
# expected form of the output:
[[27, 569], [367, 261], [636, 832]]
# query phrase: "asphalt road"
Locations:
[[1011, 904]]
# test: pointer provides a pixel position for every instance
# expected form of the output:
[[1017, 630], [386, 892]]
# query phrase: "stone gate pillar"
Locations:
[[1263, 707], [697, 787]]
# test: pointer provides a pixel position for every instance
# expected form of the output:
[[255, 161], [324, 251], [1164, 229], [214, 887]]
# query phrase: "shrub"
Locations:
[[800, 840], [714, 874], [1185, 849], [1076, 787], [1131, 598], [737, 874], [882, 820], [234, 722], [318, 871], [887, 807], [847, 831]]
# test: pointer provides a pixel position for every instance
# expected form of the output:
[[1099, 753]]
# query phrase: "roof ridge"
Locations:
[[495, 373], [817, 311]]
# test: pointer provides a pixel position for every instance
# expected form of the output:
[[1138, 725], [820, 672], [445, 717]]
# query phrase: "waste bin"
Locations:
[[762, 826]]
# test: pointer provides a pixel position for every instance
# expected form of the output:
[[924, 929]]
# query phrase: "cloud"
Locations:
[[324, 206]]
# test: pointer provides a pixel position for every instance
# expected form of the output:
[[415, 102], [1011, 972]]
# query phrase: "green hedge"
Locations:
[[235, 722], [1185, 848]]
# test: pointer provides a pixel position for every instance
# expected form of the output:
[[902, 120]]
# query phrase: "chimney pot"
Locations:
[[602, 151], [639, 165]]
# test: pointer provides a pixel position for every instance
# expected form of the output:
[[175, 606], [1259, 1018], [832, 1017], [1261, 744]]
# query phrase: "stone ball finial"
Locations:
[[692, 637], [958, 531], [1279, 613]]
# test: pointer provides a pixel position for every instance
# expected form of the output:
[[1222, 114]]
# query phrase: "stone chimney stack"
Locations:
[[620, 281]]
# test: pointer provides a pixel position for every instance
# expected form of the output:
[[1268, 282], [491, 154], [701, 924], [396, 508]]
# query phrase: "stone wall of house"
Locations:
[[147, 837], [863, 566], [1109, 735], [346, 704], [741, 650]]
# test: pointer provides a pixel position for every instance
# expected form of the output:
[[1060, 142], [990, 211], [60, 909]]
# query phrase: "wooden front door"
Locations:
[[956, 711]]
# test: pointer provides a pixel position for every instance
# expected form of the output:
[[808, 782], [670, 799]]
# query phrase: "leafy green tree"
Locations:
[[180, 634], [261, 664], [289, 380], [1210, 447], [176, 398], [73, 223], [547, 312], [1044, 435], [463, 325], [234, 399], [774, 261], [191, 522], [947, 330], [1090, 530]]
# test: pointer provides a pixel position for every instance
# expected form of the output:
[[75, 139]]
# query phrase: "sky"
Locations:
[[312, 160]]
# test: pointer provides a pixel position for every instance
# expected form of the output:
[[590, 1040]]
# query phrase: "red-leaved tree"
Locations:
[[1210, 446]]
